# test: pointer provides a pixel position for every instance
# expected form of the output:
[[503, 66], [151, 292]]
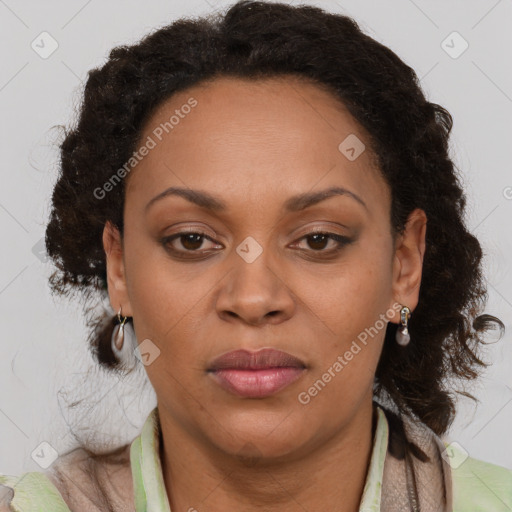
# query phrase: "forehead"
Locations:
[[256, 139]]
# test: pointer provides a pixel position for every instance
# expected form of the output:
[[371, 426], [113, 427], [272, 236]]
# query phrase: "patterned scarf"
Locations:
[[416, 477]]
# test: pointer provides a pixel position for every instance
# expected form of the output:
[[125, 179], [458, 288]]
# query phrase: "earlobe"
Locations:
[[116, 278], [408, 260]]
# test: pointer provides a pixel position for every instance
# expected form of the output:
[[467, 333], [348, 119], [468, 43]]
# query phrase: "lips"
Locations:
[[256, 374], [263, 359]]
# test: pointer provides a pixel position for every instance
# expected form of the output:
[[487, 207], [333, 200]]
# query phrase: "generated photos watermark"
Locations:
[[304, 397], [158, 133]]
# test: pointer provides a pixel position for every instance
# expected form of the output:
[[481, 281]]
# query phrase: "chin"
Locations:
[[261, 435]]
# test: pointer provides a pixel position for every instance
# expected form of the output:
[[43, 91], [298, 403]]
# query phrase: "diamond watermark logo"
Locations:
[[249, 249], [147, 352], [44, 455], [44, 45], [455, 455], [352, 147], [39, 251], [454, 45]]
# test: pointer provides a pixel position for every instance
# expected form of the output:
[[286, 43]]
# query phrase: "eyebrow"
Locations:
[[292, 204]]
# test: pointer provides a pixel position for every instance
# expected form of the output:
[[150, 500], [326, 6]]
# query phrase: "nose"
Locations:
[[255, 293]]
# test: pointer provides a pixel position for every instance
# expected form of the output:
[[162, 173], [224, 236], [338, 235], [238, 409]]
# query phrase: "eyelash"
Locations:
[[341, 241]]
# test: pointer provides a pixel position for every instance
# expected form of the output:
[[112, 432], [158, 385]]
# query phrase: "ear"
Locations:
[[408, 262], [116, 278]]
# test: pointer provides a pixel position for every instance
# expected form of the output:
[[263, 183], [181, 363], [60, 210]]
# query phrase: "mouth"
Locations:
[[256, 374]]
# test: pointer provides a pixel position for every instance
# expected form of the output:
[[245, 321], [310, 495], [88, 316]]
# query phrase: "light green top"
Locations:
[[477, 486]]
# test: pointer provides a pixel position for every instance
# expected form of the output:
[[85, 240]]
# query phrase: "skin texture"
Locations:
[[253, 145]]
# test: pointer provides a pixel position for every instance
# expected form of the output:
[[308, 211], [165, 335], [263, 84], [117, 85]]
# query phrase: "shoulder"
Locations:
[[30, 492], [77, 480], [478, 485]]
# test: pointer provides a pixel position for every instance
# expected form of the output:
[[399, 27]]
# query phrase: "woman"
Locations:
[[268, 201]]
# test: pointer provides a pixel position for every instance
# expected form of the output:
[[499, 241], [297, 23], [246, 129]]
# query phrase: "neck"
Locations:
[[330, 477]]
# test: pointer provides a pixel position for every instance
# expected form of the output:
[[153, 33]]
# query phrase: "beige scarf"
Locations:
[[416, 478]]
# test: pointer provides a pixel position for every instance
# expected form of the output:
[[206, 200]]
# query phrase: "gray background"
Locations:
[[43, 338]]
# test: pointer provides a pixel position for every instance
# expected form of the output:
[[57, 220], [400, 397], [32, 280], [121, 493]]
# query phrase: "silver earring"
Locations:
[[124, 342], [402, 334], [118, 333]]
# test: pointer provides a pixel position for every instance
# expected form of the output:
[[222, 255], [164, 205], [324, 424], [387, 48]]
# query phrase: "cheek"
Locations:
[[354, 316], [159, 296], [170, 305], [351, 296], [352, 310]]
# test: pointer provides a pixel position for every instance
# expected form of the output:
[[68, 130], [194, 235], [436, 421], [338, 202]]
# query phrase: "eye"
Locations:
[[190, 242], [319, 240]]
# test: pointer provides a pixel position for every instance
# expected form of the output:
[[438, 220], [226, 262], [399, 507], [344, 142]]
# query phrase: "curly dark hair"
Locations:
[[408, 134]]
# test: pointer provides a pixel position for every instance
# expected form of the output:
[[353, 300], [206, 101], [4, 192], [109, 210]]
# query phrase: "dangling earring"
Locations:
[[118, 333], [402, 333], [124, 342]]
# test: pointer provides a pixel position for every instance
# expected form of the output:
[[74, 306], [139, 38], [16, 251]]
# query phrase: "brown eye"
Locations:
[[318, 241], [186, 242], [191, 241]]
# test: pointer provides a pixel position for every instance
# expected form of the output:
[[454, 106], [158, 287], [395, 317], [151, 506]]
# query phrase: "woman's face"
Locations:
[[256, 161]]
